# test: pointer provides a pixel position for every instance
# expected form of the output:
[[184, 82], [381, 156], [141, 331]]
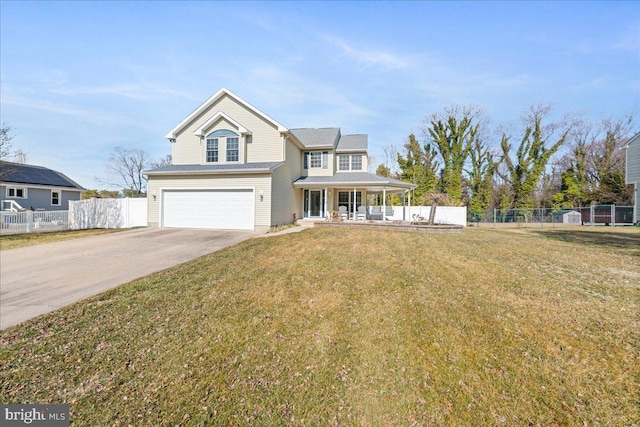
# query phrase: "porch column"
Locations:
[[409, 194], [326, 195], [355, 208], [384, 204]]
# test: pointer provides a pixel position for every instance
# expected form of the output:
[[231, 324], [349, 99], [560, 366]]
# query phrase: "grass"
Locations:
[[15, 241], [353, 327]]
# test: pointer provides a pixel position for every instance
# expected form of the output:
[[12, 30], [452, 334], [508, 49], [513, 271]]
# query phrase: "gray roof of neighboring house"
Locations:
[[353, 143], [20, 173], [323, 137], [352, 178], [217, 168]]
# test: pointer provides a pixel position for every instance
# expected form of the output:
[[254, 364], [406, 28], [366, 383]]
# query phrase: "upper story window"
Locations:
[[350, 162], [16, 193], [219, 140], [343, 163], [212, 150], [316, 160], [232, 150], [356, 162]]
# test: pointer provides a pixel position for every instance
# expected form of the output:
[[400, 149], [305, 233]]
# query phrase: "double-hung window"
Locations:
[[212, 150], [316, 160], [356, 162], [233, 152], [343, 163], [55, 198]]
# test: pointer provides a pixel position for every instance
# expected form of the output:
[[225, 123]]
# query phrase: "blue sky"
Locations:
[[79, 78]]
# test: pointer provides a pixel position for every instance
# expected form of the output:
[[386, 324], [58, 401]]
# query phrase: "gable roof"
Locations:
[[215, 98], [317, 138], [220, 115], [35, 175], [353, 143]]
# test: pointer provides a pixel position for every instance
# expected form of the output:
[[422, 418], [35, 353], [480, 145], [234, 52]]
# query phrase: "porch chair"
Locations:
[[343, 212], [388, 211], [376, 212], [361, 214]]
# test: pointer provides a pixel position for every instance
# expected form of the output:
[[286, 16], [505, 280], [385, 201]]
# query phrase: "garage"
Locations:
[[232, 209]]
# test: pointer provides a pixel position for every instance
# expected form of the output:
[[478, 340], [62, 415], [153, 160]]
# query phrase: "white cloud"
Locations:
[[367, 57]]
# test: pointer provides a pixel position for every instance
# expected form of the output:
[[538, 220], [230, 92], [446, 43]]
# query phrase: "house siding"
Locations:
[[265, 145], [329, 171], [261, 182], [286, 200], [632, 175], [40, 198]]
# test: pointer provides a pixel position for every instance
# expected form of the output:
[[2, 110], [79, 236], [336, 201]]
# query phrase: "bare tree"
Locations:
[[5, 141], [126, 165], [162, 162]]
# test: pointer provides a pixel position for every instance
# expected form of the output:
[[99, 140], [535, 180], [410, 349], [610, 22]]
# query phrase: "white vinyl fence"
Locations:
[[107, 213], [444, 214], [29, 221]]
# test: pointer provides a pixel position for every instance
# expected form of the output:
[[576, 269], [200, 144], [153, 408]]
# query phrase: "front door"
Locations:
[[313, 203]]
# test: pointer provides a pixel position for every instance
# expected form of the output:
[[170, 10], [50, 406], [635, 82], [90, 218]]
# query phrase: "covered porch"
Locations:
[[352, 195]]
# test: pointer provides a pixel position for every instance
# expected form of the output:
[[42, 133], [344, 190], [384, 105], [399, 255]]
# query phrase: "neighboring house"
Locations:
[[35, 187], [234, 167], [632, 175]]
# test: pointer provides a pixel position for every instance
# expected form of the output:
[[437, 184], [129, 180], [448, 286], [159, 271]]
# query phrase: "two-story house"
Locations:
[[234, 167]]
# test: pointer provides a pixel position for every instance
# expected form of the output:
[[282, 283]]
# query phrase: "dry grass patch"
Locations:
[[351, 327], [30, 239]]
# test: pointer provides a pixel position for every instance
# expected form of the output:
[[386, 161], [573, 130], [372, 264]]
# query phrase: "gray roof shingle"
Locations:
[[218, 168], [323, 137], [353, 178], [358, 142]]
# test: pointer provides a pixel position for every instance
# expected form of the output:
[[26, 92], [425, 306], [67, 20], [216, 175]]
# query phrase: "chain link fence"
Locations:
[[607, 215]]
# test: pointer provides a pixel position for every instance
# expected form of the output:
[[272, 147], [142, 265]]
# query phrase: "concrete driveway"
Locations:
[[39, 279]]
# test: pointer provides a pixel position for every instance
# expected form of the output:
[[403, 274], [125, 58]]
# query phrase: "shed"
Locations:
[[567, 217]]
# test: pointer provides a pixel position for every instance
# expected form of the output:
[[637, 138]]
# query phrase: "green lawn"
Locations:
[[15, 241], [353, 327]]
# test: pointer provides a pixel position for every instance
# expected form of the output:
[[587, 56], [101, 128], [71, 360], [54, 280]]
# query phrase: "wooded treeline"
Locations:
[[540, 163]]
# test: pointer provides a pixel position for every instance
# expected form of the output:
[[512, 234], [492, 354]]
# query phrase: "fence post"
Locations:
[[494, 218], [29, 221], [613, 215], [591, 220]]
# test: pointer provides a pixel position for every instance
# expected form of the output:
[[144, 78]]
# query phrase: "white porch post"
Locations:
[[384, 204], [326, 196], [409, 194], [354, 203]]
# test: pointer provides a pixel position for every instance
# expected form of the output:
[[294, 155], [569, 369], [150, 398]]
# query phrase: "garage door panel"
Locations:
[[224, 209]]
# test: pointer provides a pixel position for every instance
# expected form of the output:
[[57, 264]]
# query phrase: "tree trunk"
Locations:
[[432, 212]]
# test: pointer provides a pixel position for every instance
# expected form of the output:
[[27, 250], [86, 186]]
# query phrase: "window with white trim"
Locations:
[[55, 198], [316, 160], [343, 163], [212, 150], [356, 162], [16, 193], [233, 151]]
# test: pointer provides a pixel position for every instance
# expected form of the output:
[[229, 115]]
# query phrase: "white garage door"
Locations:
[[227, 209]]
